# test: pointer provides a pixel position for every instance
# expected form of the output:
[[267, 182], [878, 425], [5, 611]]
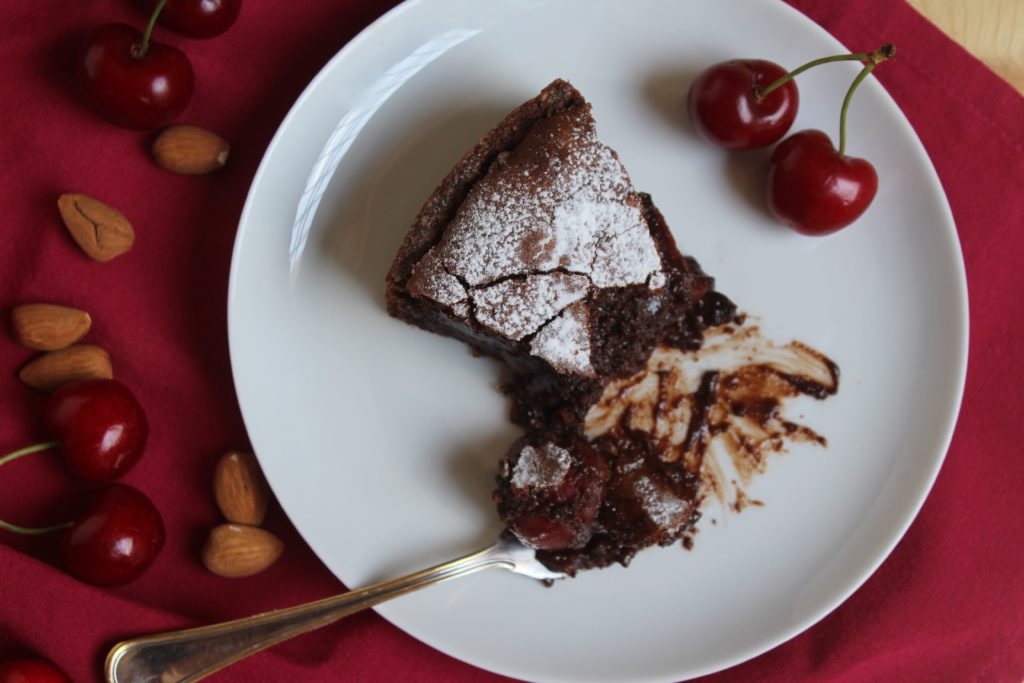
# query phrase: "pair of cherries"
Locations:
[[135, 82], [101, 430], [813, 187]]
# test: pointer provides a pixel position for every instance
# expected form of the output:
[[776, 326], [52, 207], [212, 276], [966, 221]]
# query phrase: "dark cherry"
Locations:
[[101, 427], [31, 670], [813, 188], [132, 87], [197, 18], [546, 533], [117, 538], [725, 108], [558, 516]]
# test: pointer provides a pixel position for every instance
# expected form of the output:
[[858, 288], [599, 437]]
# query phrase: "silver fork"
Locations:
[[192, 654]]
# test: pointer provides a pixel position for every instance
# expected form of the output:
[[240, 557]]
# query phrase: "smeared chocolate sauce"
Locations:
[[667, 432]]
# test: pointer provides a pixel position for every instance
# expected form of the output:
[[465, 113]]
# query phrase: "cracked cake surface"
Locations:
[[551, 221]]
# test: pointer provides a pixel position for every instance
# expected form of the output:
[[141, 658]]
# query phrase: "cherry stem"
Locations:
[[34, 531], [28, 449], [879, 55], [142, 49], [31, 531]]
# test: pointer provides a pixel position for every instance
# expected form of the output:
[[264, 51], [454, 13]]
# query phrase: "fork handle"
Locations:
[[194, 653]]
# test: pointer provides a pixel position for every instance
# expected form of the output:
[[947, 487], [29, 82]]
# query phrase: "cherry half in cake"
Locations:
[[537, 249]]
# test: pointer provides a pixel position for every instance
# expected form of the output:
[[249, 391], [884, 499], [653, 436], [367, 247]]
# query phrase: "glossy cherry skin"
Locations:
[[725, 110], [100, 425], [139, 92], [814, 190], [117, 538], [196, 18], [31, 670]]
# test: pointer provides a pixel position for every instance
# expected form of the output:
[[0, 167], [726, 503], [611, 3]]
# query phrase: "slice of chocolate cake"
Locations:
[[537, 249]]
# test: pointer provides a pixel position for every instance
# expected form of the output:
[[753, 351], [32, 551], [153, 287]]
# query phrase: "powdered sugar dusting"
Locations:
[[430, 279], [564, 342], [552, 204], [538, 298], [668, 511], [560, 204], [540, 467], [620, 257]]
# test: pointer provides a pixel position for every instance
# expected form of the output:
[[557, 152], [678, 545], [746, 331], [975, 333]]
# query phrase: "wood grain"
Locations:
[[992, 30]]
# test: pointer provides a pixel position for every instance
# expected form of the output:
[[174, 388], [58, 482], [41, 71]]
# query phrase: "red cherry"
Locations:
[[101, 427], [31, 670], [544, 533], [813, 188], [725, 108], [554, 515], [130, 87], [197, 18], [116, 539]]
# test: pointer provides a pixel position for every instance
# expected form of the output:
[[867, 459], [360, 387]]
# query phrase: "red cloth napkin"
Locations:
[[947, 605]]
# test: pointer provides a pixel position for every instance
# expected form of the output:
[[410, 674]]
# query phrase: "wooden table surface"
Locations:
[[992, 30]]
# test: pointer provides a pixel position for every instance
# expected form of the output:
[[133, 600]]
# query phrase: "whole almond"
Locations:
[[54, 369], [190, 150], [48, 327], [240, 489], [100, 230], [234, 550]]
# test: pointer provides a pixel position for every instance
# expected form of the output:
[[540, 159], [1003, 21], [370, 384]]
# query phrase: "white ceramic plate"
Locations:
[[381, 440]]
